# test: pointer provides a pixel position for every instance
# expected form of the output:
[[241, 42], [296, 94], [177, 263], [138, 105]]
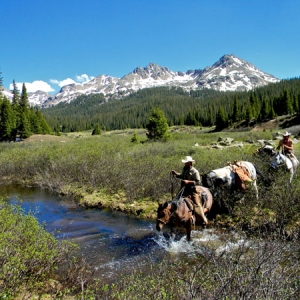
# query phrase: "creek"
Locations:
[[113, 243]]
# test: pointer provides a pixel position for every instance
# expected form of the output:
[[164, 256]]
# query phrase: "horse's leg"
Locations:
[[173, 235], [188, 230]]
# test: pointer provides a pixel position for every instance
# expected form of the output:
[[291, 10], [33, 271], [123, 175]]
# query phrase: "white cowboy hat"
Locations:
[[286, 134], [188, 159]]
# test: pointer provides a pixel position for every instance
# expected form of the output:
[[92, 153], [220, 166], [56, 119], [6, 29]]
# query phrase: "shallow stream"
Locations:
[[112, 242]]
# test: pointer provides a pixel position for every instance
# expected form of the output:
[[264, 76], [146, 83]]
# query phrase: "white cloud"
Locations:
[[62, 82], [84, 78], [80, 79], [31, 87], [39, 85]]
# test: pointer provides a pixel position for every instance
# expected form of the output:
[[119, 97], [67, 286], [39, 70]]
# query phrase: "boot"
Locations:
[[198, 208]]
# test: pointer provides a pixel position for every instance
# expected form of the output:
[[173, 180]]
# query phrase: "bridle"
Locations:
[[168, 214]]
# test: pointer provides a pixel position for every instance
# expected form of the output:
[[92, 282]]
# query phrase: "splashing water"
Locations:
[[198, 244], [203, 241]]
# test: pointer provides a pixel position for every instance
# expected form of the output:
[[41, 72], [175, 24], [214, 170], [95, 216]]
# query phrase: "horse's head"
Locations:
[[163, 215], [277, 160]]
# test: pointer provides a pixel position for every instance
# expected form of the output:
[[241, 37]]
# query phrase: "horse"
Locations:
[[179, 212], [231, 178], [279, 160]]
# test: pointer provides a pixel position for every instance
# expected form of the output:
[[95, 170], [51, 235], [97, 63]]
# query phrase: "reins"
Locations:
[[180, 193], [172, 184]]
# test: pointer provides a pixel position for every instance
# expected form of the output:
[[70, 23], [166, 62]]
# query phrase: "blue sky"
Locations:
[[47, 43]]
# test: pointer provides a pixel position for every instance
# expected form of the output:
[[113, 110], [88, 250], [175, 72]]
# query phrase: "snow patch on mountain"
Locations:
[[229, 73]]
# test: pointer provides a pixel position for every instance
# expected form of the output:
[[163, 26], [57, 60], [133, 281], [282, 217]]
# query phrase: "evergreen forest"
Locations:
[[18, 120], [199, 108]]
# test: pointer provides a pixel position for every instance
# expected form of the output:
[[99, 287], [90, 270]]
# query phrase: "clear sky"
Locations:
[[47, 43]]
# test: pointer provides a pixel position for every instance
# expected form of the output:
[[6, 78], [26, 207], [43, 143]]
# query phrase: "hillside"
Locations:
[[198, 108]]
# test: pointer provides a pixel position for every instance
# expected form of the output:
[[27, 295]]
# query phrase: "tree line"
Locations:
[[17, 118], [205, 107], [199, 108]]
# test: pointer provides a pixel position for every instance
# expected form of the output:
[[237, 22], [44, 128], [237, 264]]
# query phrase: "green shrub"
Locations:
[[254, 269], [29, 256]]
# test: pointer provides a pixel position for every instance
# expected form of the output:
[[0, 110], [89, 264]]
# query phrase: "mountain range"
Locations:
[[229, 73]]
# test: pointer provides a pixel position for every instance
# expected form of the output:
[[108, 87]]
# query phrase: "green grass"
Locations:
[[110, 171], [122, 172]]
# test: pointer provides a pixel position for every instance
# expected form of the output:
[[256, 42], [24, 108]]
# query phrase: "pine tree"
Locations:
[[264, 111], [157, 127], [221, 120], [272, 113], [44, 128], [23, 101], [1, 84], [248, 114], [254, 105], [287, 105], [34, 122], [7, 124], [24, 129], [16, 96], [97, 130], [236, 112], [135, 138], [15, 107], [295, 103]]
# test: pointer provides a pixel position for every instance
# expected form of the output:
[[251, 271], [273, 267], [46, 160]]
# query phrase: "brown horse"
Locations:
[[179, 212]]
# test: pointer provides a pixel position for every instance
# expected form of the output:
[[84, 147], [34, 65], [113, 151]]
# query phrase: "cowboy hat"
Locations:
[[286, 134], [188, 159]]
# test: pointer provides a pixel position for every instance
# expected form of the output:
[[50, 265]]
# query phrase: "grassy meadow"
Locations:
[[111, 171]]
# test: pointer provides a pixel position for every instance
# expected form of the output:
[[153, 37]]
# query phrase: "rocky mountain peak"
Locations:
[[229, 73], [152, 70]]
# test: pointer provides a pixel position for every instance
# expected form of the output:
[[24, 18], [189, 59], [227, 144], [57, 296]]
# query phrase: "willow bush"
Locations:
[[112, 162], [29, 256], [252, 269]]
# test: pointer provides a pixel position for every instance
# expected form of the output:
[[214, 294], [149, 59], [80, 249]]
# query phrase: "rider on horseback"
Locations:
[[190, 180], [288, 148], [286, 144]]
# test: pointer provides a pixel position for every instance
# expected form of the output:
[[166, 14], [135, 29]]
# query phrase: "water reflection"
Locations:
[[111, 242]]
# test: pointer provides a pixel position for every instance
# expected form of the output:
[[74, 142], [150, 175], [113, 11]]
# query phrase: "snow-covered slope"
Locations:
[[229, 73]]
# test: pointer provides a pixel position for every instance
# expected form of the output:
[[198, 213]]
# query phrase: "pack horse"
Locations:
[[232, 177]]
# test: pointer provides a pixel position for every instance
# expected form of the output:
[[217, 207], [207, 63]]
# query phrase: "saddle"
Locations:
[[202, 196], [241, 174], [293, 159]]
